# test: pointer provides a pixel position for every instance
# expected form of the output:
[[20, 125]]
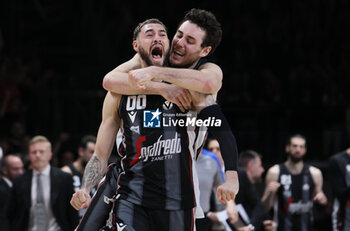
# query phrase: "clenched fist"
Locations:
[[81, 199], [228, 190]]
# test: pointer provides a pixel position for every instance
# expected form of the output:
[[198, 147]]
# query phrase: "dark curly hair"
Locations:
[[207, 22]]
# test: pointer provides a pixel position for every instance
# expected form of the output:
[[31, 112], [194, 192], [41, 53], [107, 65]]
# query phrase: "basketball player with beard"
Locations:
[[295, 186], [151, 37], [197, 37], [158, 187], [194, 43]]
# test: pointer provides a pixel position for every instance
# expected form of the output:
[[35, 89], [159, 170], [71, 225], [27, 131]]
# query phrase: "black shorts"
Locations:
[[130, 217]]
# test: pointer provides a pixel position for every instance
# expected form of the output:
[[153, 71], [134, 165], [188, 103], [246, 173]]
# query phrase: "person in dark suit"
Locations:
[[4, 195], [40, 197], [11, 166]]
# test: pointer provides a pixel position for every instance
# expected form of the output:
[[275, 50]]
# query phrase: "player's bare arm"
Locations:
[[318, 194], [207, 79], [66, 169], [228, 190], [96, 167], [271, 187], [117, 81]]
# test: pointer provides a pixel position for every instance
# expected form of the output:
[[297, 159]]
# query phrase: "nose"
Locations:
[[157, 38], [180, 42]]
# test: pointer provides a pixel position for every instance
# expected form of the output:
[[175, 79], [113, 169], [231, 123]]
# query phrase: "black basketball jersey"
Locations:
[[158, 149], [294, 207], [158, 154], [77, 177], [339, 173]]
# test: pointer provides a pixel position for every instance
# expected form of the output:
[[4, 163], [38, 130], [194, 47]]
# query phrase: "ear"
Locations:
[[135, 45], [249, 164], [80, 151], [287, 148], [205, 51]]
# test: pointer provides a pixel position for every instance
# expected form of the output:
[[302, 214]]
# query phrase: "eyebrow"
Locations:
[[189, 36], [152, 30]]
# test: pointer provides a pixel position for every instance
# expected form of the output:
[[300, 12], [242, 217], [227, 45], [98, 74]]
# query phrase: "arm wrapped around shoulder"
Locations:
[[223, 134]]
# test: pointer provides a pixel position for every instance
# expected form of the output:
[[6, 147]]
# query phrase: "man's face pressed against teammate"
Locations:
[[152, 44], [186, 46]]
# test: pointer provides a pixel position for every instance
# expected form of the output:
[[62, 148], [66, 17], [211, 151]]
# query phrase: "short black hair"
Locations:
[[148, 21], [86, 139], [207, 22], [246, 156], [289, 140]]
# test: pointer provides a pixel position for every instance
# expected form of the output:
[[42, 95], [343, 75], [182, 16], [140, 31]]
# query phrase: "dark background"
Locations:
[[285, 63]]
